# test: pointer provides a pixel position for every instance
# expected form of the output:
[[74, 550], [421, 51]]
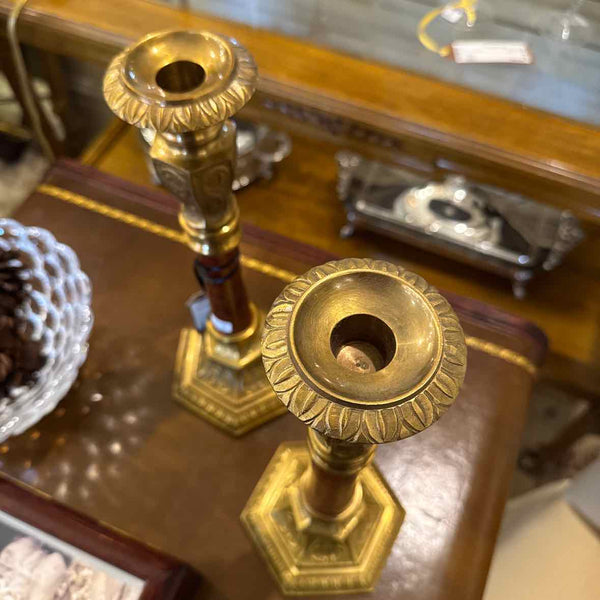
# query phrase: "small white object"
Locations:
[[452, 15], [220, 325], [199, 306], [492, 51]]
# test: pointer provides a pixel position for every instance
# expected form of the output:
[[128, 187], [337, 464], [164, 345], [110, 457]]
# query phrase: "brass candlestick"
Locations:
[[186, 85], [364, 353]]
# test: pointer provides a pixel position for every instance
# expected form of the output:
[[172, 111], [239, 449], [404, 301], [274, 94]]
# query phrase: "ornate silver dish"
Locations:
[[485, 226]]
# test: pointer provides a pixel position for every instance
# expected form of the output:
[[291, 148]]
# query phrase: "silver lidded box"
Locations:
[[483, 226]]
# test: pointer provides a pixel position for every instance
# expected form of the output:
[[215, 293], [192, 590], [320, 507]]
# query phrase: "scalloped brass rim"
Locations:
[[329, 393], [180, 113], [363, 424]]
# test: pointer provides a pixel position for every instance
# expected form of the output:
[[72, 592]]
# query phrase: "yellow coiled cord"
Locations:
[[468, 6]]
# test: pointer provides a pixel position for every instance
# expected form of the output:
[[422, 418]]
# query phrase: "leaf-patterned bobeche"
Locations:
[[203, 111], [372, 426]]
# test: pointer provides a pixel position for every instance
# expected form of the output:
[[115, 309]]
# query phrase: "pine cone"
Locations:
[[20, 360]]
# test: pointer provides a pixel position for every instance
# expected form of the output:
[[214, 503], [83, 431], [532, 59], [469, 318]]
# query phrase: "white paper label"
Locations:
[[452, 15], [220, 325], [491, 51], [199, 306]]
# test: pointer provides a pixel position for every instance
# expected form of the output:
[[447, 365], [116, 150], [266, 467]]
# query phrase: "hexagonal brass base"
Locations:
[[305, 562], [236, 400]]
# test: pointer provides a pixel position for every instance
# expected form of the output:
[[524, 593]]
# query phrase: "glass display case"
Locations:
[[564, 78]]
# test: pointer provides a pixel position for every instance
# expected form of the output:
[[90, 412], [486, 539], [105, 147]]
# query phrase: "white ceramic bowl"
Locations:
[[57, 312]]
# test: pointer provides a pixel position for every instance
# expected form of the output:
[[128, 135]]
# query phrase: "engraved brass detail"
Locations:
[[479, 344], [185, 86], [432, 349], [319, 564], [230, 79], [235, 400]]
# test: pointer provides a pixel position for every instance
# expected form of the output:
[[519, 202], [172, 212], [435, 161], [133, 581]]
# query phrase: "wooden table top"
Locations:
[[300, 202]]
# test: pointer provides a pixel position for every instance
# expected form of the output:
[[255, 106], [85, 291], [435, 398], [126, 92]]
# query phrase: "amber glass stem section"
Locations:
[[330, 486], [221, 278]]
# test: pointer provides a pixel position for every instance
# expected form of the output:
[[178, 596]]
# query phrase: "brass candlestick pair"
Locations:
[[362, 351]]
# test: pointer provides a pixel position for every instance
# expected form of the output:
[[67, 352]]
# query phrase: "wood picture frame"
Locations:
[[142, 573]]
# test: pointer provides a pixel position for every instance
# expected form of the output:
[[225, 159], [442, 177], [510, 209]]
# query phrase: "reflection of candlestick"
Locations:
[[186, 86], [364, 353]]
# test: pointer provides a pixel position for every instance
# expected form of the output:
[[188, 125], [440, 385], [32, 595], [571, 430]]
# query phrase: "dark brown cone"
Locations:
[[20, 360]]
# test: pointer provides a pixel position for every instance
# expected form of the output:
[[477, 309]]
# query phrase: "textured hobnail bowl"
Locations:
[[55, 312]]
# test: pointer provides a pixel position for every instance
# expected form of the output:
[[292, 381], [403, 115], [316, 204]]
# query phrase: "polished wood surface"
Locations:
[[301, 202], [446, 121], [121, 450]]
